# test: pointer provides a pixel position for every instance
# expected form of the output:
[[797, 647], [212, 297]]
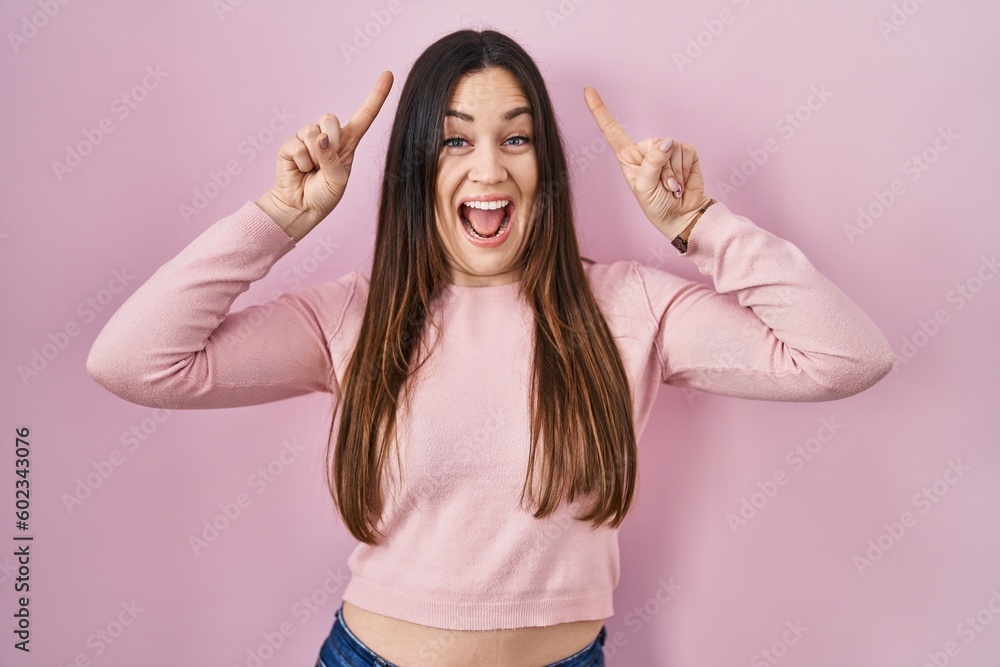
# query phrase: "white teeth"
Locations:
[[487, 205]]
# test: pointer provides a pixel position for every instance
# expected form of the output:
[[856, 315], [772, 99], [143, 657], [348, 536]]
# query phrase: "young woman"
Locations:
[[488, 382]]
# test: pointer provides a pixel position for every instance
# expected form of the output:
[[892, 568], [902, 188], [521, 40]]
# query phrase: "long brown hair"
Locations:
[[581, 401]]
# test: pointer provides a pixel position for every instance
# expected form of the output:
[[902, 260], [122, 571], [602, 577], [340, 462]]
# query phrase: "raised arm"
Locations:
[[772, 328], [174, 343]]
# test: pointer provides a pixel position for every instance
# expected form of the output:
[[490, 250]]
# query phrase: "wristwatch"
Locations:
[[682, 244]]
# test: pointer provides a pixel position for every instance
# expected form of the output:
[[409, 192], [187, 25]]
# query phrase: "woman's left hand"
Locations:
[[654, 174]]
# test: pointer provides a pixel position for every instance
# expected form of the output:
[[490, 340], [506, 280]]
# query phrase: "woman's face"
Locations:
[[487, 152]]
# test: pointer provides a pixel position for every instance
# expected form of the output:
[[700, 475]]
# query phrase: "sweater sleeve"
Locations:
[[174, 343], [773, 328]]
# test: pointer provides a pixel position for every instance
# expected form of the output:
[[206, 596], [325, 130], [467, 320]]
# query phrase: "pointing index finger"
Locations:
[[365, 115], [610, 128]]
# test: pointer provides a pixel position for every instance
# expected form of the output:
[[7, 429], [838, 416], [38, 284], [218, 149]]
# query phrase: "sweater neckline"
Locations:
[[508, 289]]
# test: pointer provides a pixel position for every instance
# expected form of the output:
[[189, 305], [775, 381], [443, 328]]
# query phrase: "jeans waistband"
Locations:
[[343, 647]]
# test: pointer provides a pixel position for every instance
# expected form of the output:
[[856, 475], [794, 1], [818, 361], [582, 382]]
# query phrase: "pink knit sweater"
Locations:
[[460, 552]]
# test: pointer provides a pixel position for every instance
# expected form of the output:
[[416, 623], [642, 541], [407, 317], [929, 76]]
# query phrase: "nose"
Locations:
[[488, 165]]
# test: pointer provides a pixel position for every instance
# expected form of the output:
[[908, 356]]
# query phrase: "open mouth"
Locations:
[[486, 221]]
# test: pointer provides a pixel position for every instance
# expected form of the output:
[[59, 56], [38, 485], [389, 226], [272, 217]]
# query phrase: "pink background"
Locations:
[[888, 96]]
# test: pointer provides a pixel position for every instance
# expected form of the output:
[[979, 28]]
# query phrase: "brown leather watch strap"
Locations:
[[682, 244]]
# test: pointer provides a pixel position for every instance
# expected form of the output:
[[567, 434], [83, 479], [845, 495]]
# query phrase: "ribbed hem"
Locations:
[[705, 230], [479, 614], [262, 230]]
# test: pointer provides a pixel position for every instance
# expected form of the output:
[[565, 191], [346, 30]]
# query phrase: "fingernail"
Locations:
[[324, 142], [674, 186], [666, 144]]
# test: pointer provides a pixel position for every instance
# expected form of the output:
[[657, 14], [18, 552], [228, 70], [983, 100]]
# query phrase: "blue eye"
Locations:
[[520, 139]]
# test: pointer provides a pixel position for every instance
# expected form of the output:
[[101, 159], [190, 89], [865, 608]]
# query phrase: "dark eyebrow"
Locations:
[[513, 113]]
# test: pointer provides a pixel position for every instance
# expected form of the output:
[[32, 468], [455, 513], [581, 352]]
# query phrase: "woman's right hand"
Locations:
[[314, 165]]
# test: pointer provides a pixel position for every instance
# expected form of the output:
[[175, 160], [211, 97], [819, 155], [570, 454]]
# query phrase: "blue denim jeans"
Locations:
[[343, 649]]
